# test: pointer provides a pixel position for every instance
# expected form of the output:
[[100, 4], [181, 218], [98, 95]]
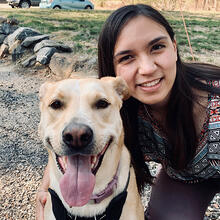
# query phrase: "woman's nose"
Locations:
[[146, 66]]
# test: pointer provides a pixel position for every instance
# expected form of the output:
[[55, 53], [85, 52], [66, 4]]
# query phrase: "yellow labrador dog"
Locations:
[[91, 176]]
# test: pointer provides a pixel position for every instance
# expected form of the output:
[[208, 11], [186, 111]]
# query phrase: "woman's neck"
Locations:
[[157, 114]]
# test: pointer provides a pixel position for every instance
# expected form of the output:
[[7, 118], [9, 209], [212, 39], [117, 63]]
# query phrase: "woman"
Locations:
[[169, 118]]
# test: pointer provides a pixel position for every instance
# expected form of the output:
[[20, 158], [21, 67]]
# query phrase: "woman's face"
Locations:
[[145, 57]]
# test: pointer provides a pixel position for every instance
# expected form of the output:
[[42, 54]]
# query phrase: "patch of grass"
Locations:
[[189, 58], [83, 27], [203, 30], [78, 47]]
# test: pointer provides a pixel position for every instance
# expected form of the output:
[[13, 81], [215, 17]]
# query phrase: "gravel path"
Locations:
[[22, 156]]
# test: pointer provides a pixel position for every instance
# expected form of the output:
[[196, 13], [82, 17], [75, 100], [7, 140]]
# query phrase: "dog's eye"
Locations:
[[102, 103], [57, 104]]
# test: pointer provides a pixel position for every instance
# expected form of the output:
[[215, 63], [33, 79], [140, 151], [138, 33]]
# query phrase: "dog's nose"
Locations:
[[77, 135]]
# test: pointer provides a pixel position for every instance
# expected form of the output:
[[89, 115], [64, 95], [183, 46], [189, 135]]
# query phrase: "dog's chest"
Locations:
[[113, 211]]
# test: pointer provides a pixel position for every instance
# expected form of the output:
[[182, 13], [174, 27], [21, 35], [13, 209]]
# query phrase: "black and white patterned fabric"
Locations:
[[205, 164]]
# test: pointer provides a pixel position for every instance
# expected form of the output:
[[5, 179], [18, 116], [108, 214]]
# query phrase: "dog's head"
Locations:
[[80, 122]]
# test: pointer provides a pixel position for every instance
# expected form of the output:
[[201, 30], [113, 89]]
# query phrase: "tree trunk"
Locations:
[[196, 4], [165, 4], [205, 2], [215, 4], [218, 5]]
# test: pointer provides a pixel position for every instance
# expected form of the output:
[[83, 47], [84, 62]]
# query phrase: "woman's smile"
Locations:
[[154, 84]]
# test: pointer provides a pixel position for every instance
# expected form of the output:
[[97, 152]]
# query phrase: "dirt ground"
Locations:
[[22, 156]]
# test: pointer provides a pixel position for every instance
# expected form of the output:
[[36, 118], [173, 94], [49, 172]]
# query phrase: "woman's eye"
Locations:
[[157, 47], [57, 104], [101, 104], [125, 58]]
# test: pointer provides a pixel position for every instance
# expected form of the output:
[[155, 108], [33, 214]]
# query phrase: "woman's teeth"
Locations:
[[150, 84]]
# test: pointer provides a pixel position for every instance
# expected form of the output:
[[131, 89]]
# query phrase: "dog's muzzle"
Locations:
[[79, 164]]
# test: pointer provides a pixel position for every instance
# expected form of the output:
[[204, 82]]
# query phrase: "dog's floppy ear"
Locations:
[[119, 85], [121, 88]]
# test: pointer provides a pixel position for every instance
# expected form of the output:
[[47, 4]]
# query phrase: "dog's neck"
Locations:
[[118, 201], [98, 197]]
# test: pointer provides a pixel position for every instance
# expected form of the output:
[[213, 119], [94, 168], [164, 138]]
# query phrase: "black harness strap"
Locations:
[[113, 211], [59, 210]]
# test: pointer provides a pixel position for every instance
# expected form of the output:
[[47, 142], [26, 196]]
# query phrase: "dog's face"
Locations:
[[80, 122]]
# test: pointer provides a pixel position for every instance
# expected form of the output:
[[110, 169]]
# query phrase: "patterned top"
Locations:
[[205, 164]]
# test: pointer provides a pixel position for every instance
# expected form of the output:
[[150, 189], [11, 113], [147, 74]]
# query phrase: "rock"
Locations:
[[44, 55], [92, 63], [85, 62], [7, 29], [61, 64], [20, 34], [3, 50], [50, 43], [26, 32], [29, 41], [17, 53], [12, 21], [14, 46], [2, 20], [79, 64], [31, 61], [2, 38]]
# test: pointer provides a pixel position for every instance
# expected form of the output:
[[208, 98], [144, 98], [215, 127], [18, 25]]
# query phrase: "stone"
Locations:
[[12, 21], [14, 46], [7, 29], [87, 63], [3, 50], [20, 34], [50, 43], [17, 53], [2, 20], [2, 38], [26, 32], [44, 55], [30, 41], [92, 63], [31, 61], [61, 64]]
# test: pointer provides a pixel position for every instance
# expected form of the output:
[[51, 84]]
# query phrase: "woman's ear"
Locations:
[[175, 47], [174, 44]]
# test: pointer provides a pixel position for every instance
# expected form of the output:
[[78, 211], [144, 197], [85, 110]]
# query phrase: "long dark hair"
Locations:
[[181, 132]]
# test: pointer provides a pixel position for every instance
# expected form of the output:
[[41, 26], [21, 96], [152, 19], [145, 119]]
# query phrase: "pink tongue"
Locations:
[[78, 182]]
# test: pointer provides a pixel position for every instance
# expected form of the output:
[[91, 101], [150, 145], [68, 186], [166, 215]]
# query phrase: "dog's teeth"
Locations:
[[93, 162], [64, 168], [62, 163], [64, 160]]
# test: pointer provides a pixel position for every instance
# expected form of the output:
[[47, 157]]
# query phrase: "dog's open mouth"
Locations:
[[96, 160], [78, 178]]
